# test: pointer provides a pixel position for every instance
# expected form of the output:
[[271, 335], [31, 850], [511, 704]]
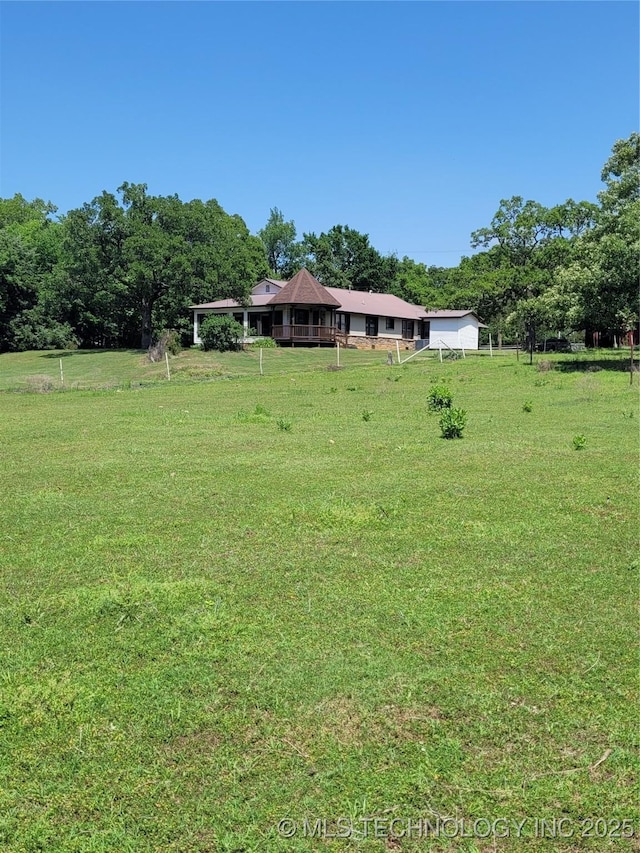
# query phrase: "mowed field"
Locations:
[[281, 613]]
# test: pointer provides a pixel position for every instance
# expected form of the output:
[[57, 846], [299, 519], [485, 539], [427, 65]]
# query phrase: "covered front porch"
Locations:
[[301, 333], [304, 325]]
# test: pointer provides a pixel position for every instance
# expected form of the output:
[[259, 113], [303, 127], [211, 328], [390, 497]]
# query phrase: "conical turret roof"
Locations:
[[304, 289]]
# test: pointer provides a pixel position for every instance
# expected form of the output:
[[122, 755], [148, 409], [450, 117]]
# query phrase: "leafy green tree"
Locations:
[[621, 174], [93, 293], [137, 264], [225, 261], [531, 318], [421, 285], [527, 244], [221, 332], [598, 286], [482, 283], [17, 212], [34, 329], [18, 283], [284, 254], [342, 257], [154, 257], [30, 252]]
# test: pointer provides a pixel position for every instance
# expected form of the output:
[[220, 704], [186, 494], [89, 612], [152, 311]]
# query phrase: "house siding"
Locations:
[[359, 325], [267, 287]]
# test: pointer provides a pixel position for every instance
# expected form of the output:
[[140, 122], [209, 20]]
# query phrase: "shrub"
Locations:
[[260, 415], [221, 333], [262, 343], [172, 341], [284, 424], [366, 415], [452, 422], [168, 341], [439, 398], [33, 330], [579, 441], [527, 406]]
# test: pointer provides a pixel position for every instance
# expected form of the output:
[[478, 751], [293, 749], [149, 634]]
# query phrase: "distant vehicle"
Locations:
[[554, 345]]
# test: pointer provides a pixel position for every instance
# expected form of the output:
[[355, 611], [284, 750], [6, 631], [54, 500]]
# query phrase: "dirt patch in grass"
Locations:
[[39, 383], [409, 723], [341, 719], [186, 751]]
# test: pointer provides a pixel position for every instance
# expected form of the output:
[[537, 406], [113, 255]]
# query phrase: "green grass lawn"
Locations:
[[110, 369], [230, 602]]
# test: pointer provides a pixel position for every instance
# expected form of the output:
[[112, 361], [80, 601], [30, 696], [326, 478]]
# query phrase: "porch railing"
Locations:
[[297, 332]]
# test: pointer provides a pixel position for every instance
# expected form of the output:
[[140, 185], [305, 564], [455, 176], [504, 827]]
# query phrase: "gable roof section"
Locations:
[[277, 282], [304, 289], [446, 313], [257, 300], [453, 314]]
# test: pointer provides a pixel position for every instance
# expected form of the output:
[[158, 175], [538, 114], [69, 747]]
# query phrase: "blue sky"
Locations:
[[406, 121]]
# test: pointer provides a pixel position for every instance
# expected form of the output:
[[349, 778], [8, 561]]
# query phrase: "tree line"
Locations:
[[124, 266]]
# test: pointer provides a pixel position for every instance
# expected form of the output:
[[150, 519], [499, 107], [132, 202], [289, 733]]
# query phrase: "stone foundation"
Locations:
[[362, 342]]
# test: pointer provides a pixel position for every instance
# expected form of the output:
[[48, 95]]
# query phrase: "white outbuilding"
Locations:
[[452, 329]]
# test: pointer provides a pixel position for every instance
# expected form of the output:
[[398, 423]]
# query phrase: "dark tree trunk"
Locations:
[[145, 340], [531, 340]]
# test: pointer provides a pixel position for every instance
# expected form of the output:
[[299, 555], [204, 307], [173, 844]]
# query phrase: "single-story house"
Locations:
[[303, 311]]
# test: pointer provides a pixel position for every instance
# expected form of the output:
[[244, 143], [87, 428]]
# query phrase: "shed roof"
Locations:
[[452, 314], [436, 313]]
